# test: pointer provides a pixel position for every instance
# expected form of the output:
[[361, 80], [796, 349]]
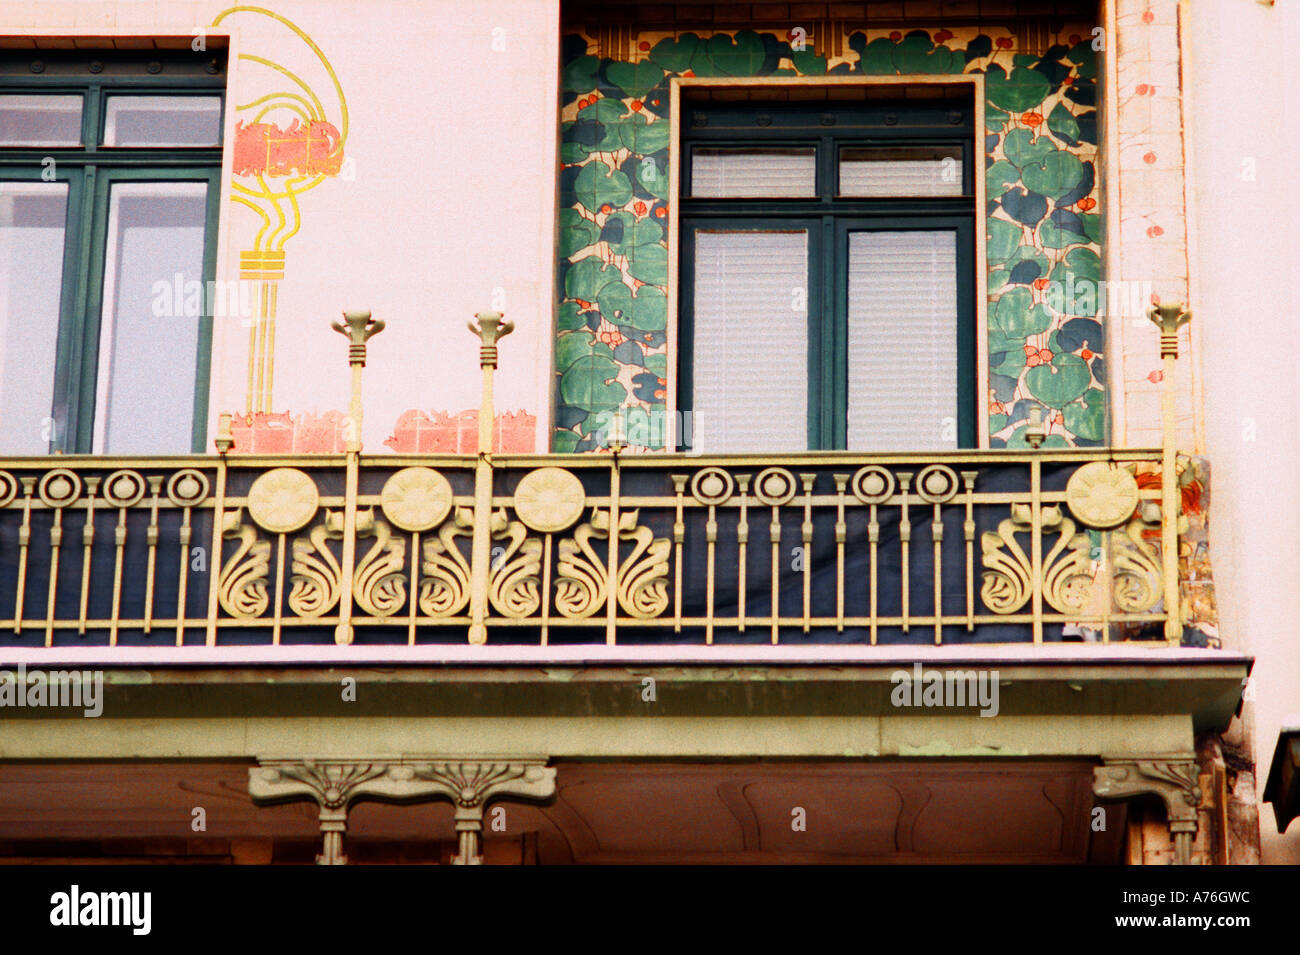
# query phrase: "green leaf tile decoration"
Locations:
[[1041, 223]]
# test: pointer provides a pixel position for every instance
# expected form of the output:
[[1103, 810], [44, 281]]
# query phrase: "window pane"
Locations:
[[33, 219], [162, 121], [751, 342], [38, 120], [149, 332], [902, 341], [900, 171], [731, 173]]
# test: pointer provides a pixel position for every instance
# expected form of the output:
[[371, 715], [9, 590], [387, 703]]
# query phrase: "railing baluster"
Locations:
[[611, 607], [151, 537], [711, 544], [278, 592], [1036, 543], [742, 542], [936, 535], [873, 539], [546, 587], [905, 539], [87, 547], [56, 541], [968, 479], [24, 541], [841, 534], [807, 533], [679, 539], [774, 534], [223, 442], [183, 578], [413, 599]]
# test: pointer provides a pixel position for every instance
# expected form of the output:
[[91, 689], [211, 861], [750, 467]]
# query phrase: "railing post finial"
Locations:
[[1169, 319], [491, 327], [359, 328]]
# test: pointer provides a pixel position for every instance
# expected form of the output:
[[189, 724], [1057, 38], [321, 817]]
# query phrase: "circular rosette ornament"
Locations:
[[187, 488], [937, 484], [1102, 495], [873, 484], [124, 488], [549, 499], [283, 500], [416, 499], [8, 488], [774, 486], [59, 487], [712, 486]]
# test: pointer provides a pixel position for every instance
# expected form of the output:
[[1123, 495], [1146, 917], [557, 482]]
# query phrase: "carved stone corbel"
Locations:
[[333, 784], [1173, 780], [471, 784]]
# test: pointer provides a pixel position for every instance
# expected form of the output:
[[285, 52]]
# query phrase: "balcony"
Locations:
[[830, 548], [614, 549]]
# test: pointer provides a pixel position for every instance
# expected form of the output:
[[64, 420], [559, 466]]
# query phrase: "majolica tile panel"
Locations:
[[1043, 225]]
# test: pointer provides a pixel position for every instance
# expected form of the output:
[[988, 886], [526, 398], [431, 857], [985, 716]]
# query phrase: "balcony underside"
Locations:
[[610, 812]]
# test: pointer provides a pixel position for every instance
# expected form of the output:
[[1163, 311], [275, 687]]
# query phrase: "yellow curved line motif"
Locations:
[[266, 219], [338, 88], [282, 95], [297, 213], [293, 109], [265, 261], [279, 212]]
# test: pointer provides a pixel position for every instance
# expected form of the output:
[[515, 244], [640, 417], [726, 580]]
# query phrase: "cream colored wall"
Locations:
[[1146, 239], [445, 205], [1244, 109]]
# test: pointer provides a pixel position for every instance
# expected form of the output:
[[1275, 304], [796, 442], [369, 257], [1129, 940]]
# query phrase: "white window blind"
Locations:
[[876, 171], [902, 382], [736, 173], [751, 342], [32, 231], [147, 347]]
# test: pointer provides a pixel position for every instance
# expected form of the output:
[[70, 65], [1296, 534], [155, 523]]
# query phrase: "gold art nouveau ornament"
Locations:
[[416, 499], [283, 500], [549, 499], [1102, 494]]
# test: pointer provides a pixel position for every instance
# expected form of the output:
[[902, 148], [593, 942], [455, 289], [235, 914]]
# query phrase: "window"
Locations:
[[109, 184], [827, 273]]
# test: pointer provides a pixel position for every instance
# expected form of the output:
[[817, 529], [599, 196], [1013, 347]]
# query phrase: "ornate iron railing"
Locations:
[[828, 548], [615, 548]]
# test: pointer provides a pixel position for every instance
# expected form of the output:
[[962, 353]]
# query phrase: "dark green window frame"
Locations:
[[829, 218], [89, 170]]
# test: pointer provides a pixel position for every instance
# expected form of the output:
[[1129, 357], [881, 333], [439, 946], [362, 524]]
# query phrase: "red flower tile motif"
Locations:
[[415, 433], [285, 434], [440, 432]]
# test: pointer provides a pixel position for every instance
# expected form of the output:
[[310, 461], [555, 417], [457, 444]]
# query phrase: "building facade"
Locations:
[[832, 469]]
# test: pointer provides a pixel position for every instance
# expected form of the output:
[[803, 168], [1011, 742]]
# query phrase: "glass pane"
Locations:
[[751, 342], [149, 331], [902, 341], [900, 171], [731, 173], [162, 121], [40, 120], [33, 220]]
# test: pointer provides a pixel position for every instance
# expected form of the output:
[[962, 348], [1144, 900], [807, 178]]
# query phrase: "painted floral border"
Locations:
[[1043, 222]]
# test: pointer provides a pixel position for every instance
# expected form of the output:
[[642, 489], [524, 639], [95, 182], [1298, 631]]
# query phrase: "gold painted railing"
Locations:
[[1027, 546], [965, 547]]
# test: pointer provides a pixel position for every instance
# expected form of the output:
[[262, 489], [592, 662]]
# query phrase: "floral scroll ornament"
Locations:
[[287, 141]]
